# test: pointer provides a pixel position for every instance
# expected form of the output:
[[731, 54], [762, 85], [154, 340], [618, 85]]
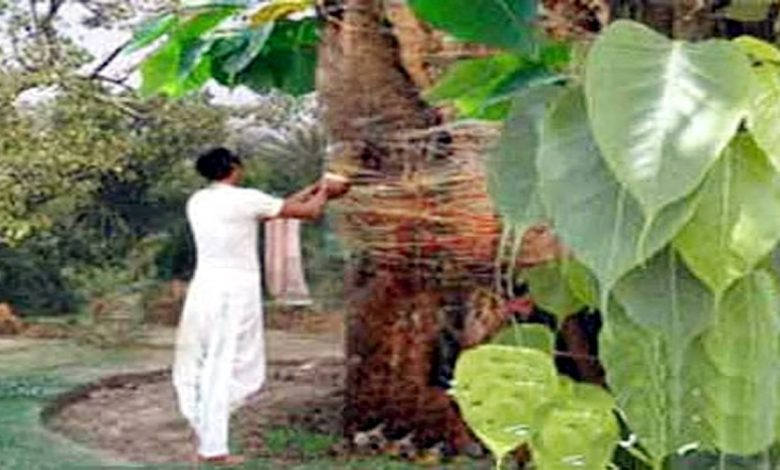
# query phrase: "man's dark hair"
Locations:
[[217, 164]]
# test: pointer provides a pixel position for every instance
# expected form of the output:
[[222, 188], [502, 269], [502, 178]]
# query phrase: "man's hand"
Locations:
[[337, 185], [308, 204]]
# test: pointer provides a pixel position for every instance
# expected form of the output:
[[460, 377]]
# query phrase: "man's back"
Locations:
[[224, 222]]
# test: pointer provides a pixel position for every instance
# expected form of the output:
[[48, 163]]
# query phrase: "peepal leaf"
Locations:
[[647, 374], [160, 70], [550, 289], [256, 39], [592, 213], [578, 431], [664, 296], [663, 111], [738, 362], [737, 222], [287, 61], [499, 389], [511, 167], [764, 115], [582, 284], [500, 23], [712, 391]]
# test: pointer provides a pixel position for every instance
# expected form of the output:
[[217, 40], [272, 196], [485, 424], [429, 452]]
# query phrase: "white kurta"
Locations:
[[220, 352]]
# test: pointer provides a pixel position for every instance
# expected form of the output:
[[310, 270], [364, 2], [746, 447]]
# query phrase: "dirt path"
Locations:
[[134, 416]]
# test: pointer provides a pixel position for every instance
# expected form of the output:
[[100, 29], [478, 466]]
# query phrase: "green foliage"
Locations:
[[494, 22], [578, 431], [642, 111], [748, 10], [735, 217], [594, 215], [739, 364], [499, 390], [151, 30], [483, 88], [663, 295], [528, 335], [511, 395], [277, 54], [511, 166], [91, 184], [660, 175], [764, 116], [550, 288]]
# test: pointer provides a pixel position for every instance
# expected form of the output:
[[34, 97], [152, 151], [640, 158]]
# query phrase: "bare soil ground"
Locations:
[[135, 417]]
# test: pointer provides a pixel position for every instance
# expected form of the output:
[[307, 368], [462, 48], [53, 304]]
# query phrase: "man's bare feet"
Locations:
[[223, 460]]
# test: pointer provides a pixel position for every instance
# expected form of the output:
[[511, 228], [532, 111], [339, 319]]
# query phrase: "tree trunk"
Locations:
[[414, 297]]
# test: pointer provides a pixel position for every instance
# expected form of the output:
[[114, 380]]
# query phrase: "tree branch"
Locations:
[[108, 60]]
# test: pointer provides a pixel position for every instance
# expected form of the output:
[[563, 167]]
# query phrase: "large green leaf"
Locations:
[[738, 363], [288, 61], [662, 111], [183, 63], [764, 118], [151, 30], [592, 213], [503, 23], [648, 376], [160, 70], [713, 392], [469, 83], [550, 289], [475, 86], [663, 295], [578, 431], [737, 222], [511, 167], [499, 390], [665, 301], [255, 40]]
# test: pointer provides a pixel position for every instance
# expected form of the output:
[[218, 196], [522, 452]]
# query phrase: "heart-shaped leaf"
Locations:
[[499, 390], [764, 117], [578, 431], [663, 111], [737, 222], [592, 213], [511, 167]]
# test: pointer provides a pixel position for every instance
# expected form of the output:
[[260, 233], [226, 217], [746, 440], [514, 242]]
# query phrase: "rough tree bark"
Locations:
[[405, 322]]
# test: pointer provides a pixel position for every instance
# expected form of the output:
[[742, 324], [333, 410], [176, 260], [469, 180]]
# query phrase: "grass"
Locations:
[[302, 443]]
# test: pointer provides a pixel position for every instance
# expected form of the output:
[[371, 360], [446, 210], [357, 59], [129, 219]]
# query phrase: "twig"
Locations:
[[107, 61]]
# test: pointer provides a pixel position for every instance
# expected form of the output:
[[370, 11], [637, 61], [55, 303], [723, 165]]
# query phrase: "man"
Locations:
[[220, 351]]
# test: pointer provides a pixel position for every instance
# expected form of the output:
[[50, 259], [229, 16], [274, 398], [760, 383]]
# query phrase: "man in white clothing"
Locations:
[[220, 351]]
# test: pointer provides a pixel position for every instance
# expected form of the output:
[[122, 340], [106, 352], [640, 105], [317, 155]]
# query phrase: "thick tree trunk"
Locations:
[[408, 308]]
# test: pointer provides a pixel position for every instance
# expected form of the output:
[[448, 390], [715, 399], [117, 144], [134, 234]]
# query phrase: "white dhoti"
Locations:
[[220, 352]]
